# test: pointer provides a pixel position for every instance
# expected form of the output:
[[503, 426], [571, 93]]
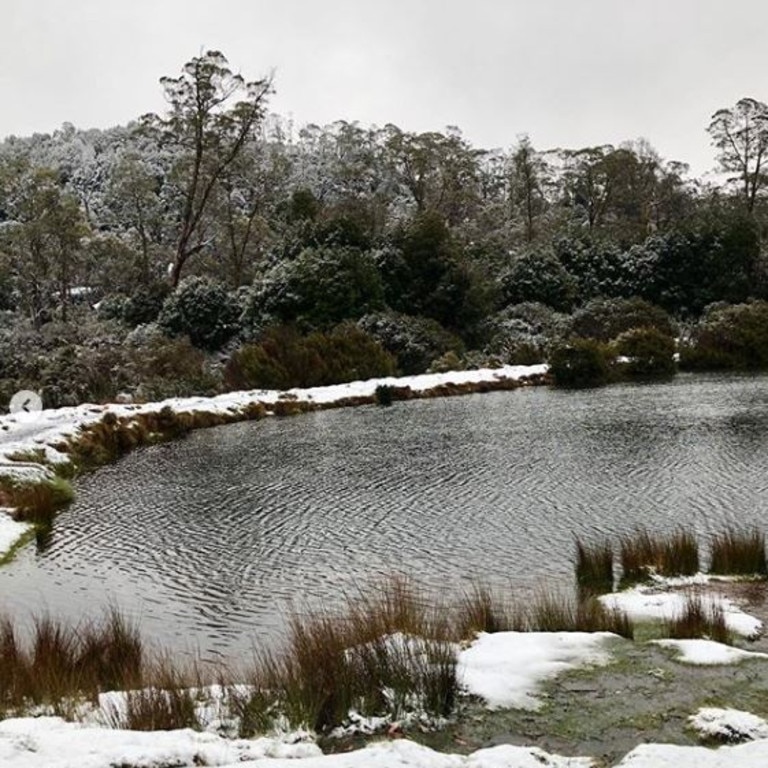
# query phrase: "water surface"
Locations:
[[208, 539]]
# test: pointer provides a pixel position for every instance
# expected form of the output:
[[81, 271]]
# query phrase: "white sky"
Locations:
[[567, 72]]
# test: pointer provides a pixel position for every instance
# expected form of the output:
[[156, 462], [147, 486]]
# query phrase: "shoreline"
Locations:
[[38, 449]]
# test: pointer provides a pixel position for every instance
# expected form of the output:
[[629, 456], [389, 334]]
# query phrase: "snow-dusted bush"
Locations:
[[202, 310], [414, 341], [605, 319], [145, 303], [538, 277], [317, 290]]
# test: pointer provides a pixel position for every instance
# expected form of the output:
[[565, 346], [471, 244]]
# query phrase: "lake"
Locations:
[[209, 541]]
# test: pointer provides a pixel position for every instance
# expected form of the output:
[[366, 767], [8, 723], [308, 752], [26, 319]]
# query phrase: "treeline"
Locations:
[[217, 246]]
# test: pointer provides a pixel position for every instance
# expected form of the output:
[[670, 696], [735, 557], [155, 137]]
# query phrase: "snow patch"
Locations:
[[708, 652], [730, 725], [754, 754], [640, 604], [10, 531], [506, 668]]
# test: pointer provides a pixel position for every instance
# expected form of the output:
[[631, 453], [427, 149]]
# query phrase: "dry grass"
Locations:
[[480, 610], [642, 553], [385, 654], [58, 663], [552, 612], [594, 567], [699, 619], [36, 502], [739, 553]]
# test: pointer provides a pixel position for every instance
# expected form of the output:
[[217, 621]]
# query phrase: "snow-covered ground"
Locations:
[[708, 652], [507, 668], [25, 432], [646, 604]]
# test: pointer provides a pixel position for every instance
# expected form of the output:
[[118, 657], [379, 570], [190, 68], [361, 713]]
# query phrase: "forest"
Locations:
[[218, 246]]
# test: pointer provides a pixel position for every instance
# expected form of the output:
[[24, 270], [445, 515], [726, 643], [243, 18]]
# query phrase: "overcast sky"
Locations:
[[569, 73]]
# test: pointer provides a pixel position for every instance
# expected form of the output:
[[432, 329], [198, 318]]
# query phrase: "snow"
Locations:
[[50, 742], [731, 725], [754, 754], [640, 604], [708, 652], [10, 531], [506, 668]]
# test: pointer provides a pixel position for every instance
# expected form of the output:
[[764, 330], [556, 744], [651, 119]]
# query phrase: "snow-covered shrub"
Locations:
[[145, 303], [202, 310], [317, 290], [538, 277], [414, 341], [605, 319], [523, 334]]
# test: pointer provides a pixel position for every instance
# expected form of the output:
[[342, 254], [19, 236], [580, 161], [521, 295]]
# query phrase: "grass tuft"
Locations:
[[479, 610], [552, 612], [738, 553], [642, 553], [699, 619], [594, 567]]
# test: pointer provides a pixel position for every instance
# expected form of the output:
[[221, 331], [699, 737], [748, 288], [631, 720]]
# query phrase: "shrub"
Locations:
[[605, 319], [581, 363], [202, 310], [538, 277], [144, 304], [319, 289], [741, 553], [649, 352], [284, 358], [729, 337], [414, 341]]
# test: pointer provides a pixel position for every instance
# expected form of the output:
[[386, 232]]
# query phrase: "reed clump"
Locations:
[[552, 612], [594, 567], [36, 501], [59, 664], [384, 655], [739, 553], [699, 619], [480, 610], [643, 554]]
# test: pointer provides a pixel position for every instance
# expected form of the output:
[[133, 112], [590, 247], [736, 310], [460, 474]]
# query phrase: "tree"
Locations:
[[213, 113], [741, 135], [527, 176]]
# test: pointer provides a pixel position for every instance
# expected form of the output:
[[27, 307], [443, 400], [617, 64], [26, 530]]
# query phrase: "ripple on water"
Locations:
[[207, 541]]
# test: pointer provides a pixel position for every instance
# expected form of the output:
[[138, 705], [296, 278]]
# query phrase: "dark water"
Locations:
[[207, 540]]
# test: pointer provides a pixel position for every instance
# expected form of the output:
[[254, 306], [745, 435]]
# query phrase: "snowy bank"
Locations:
[[728, 725]]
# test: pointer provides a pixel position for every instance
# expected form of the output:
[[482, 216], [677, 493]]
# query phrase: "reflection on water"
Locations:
[[208, 540]]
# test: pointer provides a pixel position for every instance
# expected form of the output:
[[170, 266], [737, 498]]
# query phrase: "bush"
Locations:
[[319, 289], [414, 341], [538, 277], [650, 352], [202, 310], [729, 337], [144, 304], [605, 319], [283, 358], [581, 363]]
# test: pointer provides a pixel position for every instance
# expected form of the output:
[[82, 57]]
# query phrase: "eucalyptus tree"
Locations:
[[213, 113], [740, 133]]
